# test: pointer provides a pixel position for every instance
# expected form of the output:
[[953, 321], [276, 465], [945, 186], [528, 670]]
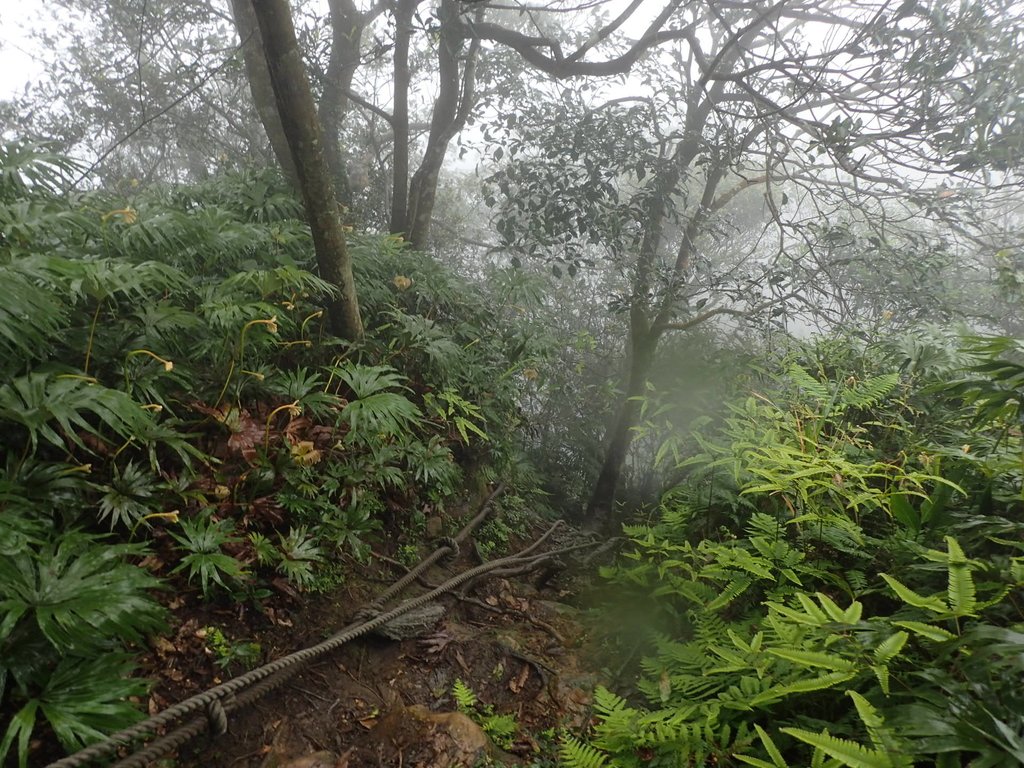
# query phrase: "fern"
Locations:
[[870, 392], [575, 754], [848, 753], [960, 587], [910, 597], [465, 698]]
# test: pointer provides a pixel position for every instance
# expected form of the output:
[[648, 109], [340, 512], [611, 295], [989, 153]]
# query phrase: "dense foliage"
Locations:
[[837, 580], [171, 412], [693, 277]]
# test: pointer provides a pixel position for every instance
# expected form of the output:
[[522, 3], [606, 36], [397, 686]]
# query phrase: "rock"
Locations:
[[437, 739], [323, 759], [434, 527], [415, 623]]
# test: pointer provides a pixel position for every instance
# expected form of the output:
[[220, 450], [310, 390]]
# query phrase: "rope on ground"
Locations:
[[195, 727], [216, 702]]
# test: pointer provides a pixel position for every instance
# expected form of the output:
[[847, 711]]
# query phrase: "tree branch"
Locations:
[[560, 66]]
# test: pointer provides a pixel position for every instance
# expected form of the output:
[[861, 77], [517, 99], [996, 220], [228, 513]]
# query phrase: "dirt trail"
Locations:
[[380, 702]]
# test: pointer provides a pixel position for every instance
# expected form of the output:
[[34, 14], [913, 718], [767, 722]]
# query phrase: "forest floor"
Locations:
[[519, 644]]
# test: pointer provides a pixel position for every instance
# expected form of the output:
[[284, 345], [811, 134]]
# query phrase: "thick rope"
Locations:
[[211, 700], [449, 548], [184, 734]]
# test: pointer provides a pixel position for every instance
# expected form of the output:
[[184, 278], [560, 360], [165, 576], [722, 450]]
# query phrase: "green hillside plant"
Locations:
[[812, 605], [169, 394]]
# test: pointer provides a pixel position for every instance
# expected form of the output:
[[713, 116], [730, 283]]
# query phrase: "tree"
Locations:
[[301, 127], [831, 110]]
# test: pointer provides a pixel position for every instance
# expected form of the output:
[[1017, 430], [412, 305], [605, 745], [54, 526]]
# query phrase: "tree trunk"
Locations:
[[454, 103], [301, 126], [400, 118], [347, 26], [601, 507], [258, 75]]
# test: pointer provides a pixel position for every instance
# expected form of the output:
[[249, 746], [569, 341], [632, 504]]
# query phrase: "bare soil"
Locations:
[[378, 702]]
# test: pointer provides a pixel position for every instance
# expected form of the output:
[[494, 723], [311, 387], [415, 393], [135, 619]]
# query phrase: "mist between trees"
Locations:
[[745, 165], [655, 197]]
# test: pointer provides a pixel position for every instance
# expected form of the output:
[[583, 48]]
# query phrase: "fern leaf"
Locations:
[[882, 674], [806, 685], [769, 746], [607, 703], [910, 597], [867, 393], [814, 659], [889, 648], [868, 714], [733, 589], [575, 754], [849, 753], [960, 591], [464, 697], [816, 389], [927, 631]]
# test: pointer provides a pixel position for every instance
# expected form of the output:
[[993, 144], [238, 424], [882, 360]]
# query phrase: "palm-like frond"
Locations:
[[41, 402], [77, 594], [28, 168], [31, 312]]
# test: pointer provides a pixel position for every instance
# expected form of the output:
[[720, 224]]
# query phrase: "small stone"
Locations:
[[434, 527]]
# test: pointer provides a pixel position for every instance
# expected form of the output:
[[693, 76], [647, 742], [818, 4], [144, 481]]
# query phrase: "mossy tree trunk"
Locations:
[[302, 129]]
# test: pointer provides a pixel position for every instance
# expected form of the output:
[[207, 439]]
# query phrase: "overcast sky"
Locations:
[[17, 65]]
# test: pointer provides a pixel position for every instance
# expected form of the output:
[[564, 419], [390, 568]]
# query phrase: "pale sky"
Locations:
[[17, 65]]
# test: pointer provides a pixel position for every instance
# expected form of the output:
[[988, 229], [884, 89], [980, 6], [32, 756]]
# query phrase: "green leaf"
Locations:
[[910, 597], [928, 631], [889, 648], [961, 592], [20, 729], [814, 659], [848, 753], [882, 674], [802, 686], [769, 746], [901, 509]]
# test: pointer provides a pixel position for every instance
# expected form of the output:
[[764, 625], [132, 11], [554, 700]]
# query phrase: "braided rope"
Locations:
[[216, 702], [182, 735]]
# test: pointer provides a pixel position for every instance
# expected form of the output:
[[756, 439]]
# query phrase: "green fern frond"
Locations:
[[927, 631], [575, 754], [870, 392], [732, 590], [777, 760], [816, 389], [960, 590], [814, 659], [465, 698], [890, 648], [910, 597], [607, 703], [848, 753], [805, 685]]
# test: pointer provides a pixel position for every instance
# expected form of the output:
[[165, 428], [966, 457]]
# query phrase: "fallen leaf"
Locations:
[[516, 683], [163, 646]]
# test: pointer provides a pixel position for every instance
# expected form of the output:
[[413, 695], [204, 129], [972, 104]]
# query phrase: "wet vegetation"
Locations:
[[754, 325]]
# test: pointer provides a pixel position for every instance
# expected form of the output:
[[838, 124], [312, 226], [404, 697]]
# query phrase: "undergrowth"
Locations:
[[837, 580], [173, 412]]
